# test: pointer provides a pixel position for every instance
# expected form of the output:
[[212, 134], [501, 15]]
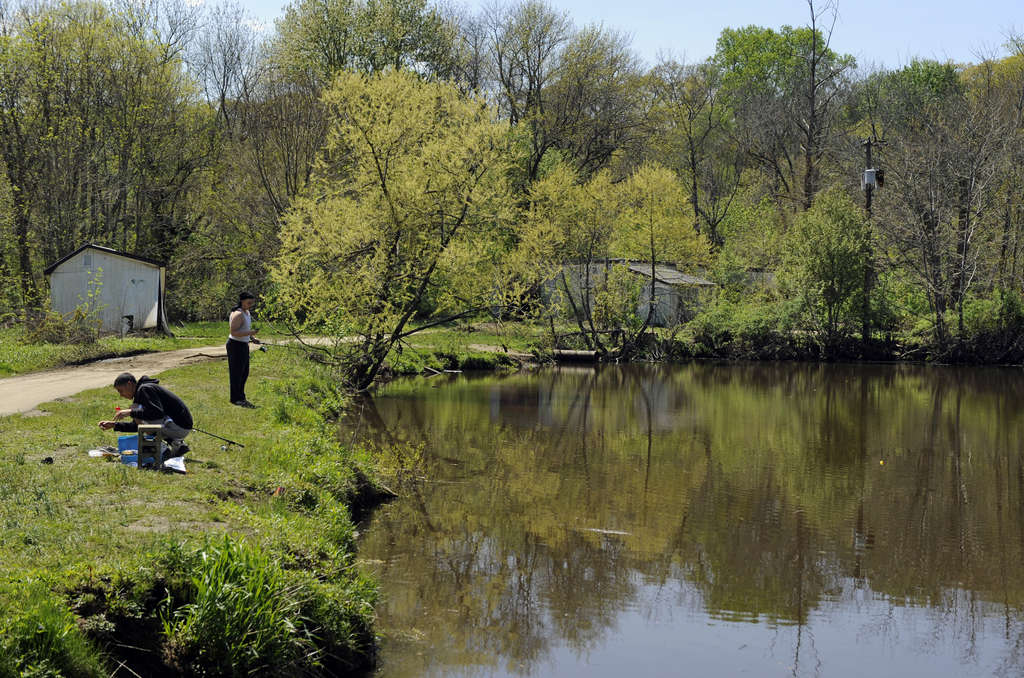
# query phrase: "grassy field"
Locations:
[[189, 570], [244, 565], [17, 356]]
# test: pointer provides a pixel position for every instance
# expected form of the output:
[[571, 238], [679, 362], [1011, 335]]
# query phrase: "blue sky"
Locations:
[[887, 33]]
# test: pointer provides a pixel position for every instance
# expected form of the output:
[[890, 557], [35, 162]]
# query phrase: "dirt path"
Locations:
[[23, 393]]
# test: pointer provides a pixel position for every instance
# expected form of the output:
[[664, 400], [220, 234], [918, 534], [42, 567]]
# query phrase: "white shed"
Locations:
[[677, 295], [131, 288]]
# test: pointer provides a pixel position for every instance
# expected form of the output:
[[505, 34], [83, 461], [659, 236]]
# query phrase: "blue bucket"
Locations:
[[126, 443]]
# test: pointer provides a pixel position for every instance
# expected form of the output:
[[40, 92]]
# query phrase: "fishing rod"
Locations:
[[301, 347], [214, 435], [263, 345]]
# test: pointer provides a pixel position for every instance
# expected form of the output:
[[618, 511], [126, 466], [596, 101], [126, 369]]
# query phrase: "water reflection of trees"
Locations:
[[759, 486]]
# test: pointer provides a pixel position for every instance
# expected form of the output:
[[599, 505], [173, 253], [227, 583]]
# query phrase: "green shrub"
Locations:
[[244, 613], [325, 473], [317, 394], [993, 328], [243, 617], [1003, 312], [50, 327], [81, 326], [758, 328], [403, 361], [484, 361], [340, 617]]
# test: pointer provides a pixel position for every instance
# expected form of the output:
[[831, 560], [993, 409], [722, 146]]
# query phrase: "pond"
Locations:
[[702, 520]]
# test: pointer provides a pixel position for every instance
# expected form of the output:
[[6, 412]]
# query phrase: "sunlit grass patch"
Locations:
[[18, 355]]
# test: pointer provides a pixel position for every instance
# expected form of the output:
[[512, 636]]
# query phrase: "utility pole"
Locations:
[[868, 186], [871, 178]]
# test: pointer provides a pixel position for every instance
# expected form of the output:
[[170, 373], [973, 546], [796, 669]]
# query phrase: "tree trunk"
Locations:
[[26, 280]]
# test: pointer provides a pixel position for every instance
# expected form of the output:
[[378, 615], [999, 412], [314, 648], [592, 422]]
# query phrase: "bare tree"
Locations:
[[471, 47], [824, 88], [693, 138], [595, 104], [525, 42], [944, 160], [171, 24], [228, 61], [1010, 85], [575, 91]]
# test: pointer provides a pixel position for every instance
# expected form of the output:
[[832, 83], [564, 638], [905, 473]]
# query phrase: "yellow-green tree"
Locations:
[[322, 37], [565, 235], [574, 231], [655, 223], [407, 207], [827, 255]]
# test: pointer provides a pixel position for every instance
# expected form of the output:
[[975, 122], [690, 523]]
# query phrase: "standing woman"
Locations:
[[241, 332]]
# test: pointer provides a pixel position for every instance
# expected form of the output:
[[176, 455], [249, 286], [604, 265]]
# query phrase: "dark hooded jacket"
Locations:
[[153, 402]]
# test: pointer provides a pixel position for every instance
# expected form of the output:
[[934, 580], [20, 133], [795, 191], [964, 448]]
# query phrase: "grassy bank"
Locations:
[[244, 565], [479, 346]]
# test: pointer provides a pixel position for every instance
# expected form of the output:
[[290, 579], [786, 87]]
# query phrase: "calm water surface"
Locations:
[[761, 520]]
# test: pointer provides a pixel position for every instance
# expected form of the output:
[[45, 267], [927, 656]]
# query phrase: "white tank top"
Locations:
[[246, 326]]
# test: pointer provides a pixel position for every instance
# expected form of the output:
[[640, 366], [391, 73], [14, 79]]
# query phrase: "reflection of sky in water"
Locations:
[[671, 522], [665, 632], [871, 638]]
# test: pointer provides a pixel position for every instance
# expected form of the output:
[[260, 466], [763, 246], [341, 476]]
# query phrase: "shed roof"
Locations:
[[52, 267], [669, 275]]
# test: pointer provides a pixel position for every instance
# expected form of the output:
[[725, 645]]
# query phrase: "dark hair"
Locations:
[[124, 378], [242, 296]]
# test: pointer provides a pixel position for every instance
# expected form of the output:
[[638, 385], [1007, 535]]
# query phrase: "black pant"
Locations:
[[238, 368]]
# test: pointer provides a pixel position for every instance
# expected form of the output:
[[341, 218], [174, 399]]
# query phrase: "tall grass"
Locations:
[[244, 618]]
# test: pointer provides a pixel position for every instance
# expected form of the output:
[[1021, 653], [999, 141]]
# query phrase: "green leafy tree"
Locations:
[[322, 37], [10, 293], [411, 191], [827, 254]]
